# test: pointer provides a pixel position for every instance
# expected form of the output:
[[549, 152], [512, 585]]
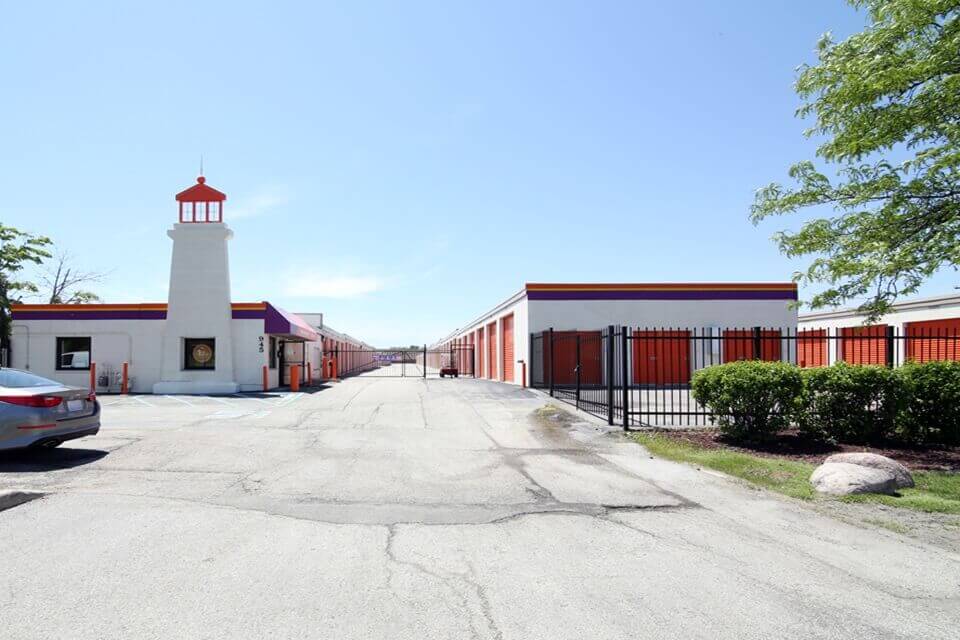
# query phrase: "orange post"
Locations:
[[124, 377], [309, 375], [93, 377], [336, 368], [266, 378], [294, 377]]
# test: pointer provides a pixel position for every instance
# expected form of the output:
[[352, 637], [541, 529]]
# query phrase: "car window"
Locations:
[[19, 379]]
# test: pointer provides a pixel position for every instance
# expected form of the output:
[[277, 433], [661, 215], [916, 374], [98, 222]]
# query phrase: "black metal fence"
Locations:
[[641, 376], [454, 360]]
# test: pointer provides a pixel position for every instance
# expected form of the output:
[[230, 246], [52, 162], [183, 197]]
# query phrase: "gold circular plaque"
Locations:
[[202, 353]]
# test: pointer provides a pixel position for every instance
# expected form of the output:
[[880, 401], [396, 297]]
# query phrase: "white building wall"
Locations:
[[251, 352], [569, 315], [112, 342], [138, 343]]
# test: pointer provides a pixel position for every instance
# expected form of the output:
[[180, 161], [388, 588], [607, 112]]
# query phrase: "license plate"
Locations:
[[74, 405]]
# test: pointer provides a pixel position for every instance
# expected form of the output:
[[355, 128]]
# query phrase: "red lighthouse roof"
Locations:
[[201, 192]]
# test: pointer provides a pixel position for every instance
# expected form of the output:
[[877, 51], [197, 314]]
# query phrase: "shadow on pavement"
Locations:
[[39, 460]]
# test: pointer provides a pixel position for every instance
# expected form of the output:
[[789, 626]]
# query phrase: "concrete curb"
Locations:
[[10, 499]]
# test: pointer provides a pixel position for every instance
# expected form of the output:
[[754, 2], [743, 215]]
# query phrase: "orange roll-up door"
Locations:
[[492, 350], [738, 345], [661, 357], [864, 345], [933, 340], [508, 356], [812, 348]]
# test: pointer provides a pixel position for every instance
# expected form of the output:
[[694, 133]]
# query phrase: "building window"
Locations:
[[273, 352], [199, 353], [73, 353]]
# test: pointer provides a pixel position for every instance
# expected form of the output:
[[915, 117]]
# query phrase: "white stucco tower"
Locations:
[[197, 338]]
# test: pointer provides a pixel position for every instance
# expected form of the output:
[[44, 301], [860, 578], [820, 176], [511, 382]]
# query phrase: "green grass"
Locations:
[[936, 491], [780, 475]]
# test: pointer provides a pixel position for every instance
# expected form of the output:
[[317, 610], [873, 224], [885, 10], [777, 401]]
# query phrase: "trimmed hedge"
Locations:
[[932, 413], [751, 400], [849, 403]]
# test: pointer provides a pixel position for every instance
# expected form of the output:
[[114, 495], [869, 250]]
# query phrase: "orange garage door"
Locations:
[[661, 357], [506, 337], [812, 348], [480, 353], [492, 350], [738, 345], [933, 340], [864, 345], [562, 363]]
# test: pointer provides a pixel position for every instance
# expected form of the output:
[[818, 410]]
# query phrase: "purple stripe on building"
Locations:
[[702, 294], [248, 314], [91, 315]]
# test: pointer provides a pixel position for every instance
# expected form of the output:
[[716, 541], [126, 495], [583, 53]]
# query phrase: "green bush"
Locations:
[[751, 400], [850, 403], [931, 409]]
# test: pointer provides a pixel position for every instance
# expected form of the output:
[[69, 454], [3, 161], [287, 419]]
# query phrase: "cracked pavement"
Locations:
[[411, 508]]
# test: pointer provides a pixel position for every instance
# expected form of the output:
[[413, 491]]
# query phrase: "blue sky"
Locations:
[[402, 167]]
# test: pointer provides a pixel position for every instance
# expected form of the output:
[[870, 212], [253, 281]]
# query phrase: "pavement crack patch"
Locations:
[[462, 585]]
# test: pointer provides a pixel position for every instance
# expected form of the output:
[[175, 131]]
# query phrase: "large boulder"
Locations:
[[875, 461], [843, 478]]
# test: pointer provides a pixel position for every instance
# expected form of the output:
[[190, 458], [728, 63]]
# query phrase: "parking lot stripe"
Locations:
[[181, 400], [221, 401], [142, 401]]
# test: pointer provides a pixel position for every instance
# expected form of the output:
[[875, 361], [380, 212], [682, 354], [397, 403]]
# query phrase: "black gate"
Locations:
[[452, 361]]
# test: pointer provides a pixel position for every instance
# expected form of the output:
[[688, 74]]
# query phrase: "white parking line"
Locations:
[[289, 399], [221, 401], [142, 401], [181, 400]]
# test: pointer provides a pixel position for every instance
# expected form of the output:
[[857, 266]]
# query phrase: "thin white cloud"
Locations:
[[258, 203], [332, 287]]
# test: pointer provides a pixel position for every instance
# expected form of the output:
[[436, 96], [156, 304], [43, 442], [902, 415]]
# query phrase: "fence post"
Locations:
[[425, 362], [577, 369], [757, 343], [625, 376], [891, 335], [550, 334], [610, 370]]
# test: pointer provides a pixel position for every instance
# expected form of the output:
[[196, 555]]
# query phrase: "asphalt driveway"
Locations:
[[411, 508]]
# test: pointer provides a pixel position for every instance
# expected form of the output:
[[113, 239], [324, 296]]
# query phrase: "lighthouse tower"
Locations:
[[197, 340]]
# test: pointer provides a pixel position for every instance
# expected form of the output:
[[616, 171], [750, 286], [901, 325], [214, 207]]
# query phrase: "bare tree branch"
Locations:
[[63, 283]]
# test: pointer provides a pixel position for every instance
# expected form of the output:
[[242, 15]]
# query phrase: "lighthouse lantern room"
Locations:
[[201, 203]]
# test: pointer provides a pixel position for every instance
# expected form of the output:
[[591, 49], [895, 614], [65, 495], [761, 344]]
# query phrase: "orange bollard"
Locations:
[[294, 377], [309, 375], [124, 378], [336, 368], [93, 377], [266, 378]]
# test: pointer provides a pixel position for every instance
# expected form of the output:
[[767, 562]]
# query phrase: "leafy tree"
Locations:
[[17, 249], [891, 91]]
